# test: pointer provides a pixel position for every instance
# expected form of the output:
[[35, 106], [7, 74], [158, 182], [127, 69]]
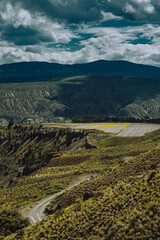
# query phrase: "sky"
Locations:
[[80, 31]]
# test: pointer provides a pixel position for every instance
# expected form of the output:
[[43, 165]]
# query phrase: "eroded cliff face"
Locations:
[[24, 149], [54, 101], [29, 103]]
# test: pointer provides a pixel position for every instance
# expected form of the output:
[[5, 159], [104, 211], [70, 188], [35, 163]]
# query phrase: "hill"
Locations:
[[43, 71], [121, 201], [26, 149], [64, 98]]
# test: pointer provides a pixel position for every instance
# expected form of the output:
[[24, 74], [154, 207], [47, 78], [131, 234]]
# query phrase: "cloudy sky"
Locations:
[[79, 31]]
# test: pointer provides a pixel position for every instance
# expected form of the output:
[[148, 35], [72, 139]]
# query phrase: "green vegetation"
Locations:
[[10, 222], [121, 201], [126, 210]]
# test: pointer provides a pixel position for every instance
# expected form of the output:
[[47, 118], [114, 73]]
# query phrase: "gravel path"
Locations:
[[37, 212]]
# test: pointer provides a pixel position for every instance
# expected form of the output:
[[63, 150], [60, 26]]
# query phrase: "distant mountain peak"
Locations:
[[44, 71]]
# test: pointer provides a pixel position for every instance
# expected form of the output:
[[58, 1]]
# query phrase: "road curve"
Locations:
[[37, 212]]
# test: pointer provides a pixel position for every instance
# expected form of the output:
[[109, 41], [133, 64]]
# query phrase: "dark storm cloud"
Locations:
[[76, 11], [120, 23], [78, 31], [136, 10], [72, 11], [69, 11], [23, 35]]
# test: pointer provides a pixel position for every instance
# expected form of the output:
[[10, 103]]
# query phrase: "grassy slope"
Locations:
[[126, 210], [133, 184]]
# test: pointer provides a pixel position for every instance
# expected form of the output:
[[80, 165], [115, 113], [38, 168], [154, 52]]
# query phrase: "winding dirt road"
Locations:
[[37, 212]]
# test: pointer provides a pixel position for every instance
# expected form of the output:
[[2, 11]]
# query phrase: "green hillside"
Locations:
[[126, 207], [85, 95], [121, 201]]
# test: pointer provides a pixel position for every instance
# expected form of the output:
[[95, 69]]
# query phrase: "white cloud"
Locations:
[[129, 8], [109, 43], [108, 16], [15, 15]]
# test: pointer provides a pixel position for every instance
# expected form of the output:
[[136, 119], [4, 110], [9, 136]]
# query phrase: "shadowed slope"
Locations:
[[84, 95]]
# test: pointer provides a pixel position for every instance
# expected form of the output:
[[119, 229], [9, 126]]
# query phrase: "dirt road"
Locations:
[[37, 212]]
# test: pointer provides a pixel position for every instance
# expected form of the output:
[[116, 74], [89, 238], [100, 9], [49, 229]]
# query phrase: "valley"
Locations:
[[79, 151], [79, 120]]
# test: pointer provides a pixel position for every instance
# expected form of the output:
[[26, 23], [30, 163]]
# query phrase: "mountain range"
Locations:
[[44, 71], [37, 92]]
